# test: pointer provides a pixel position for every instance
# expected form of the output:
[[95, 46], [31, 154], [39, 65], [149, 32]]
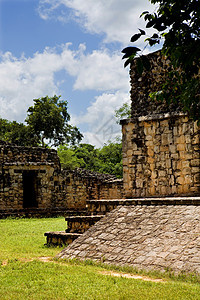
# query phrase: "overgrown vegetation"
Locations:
[[177, 25], [107, 159], [24, 276]]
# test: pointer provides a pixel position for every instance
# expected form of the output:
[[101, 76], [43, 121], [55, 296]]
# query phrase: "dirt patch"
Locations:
[[4, 263], [126, 275], [45, 258]]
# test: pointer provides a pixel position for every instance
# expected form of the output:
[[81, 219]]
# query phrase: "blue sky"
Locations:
[[70, 48]]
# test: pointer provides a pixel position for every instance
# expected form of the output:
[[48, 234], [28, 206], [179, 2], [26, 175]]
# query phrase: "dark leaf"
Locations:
[[127, 55], [148, 17], [150, 24], [155, 36], [144, 13], [130, 50], [142, 31], [152, 41], [135, 37], [127, 62]]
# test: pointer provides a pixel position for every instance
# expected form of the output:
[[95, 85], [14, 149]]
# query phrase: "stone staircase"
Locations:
[[79, 222]]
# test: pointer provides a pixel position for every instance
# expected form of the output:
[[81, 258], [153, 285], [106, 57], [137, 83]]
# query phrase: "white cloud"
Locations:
[[23, 79], [117, 19], [100, 118], [108, 70]]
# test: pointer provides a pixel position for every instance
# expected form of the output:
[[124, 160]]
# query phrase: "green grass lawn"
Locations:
[[24, 276]]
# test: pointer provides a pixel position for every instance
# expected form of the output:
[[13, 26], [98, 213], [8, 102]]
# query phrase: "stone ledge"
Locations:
[[80, 224], [155, 200], [59, 238], [38, 212], [153, 117]]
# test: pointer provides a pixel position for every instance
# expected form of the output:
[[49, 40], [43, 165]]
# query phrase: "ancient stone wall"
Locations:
[[161, 156], [151, 237], [78, 186], [150, 81], [161, 153], [32, 178], [20, 164]]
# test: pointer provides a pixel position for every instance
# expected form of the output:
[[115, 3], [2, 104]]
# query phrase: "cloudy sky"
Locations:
[[70, 48]]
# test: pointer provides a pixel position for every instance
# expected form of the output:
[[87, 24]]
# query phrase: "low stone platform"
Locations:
[[144, 236], [80, 224], [60, 238]]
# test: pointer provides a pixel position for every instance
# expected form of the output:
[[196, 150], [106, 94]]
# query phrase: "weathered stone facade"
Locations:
[[31, 178], [150, 81], [161, 156], [143, 236], [26, 177], [72, 189], [161, 153]]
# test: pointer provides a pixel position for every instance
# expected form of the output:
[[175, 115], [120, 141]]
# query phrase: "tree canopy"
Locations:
[[47, 125], [17, 133], [177, 24], [107, 159], [48, 119]]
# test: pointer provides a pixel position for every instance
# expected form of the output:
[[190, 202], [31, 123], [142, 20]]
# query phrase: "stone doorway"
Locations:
[[29, 189]]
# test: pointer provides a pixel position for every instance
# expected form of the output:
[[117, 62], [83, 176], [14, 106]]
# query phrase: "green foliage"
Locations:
[[108, 159], [177, 24], [47, 125], [17, 133], [124, 112], [48, 119]]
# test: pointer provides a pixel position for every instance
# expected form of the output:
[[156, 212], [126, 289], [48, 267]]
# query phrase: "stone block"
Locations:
[[195, 163], [180, 147], [180, 180]]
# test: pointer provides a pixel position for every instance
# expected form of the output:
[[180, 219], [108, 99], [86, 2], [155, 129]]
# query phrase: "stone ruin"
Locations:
[[33, 184], [161, 154], [157, 224], [154, 213]]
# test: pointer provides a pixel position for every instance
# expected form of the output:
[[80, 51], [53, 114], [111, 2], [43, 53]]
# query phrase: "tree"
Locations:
[[177, 24], [17, 133], [108, 159], [123, 112], [110, 156], [68, 158], [48, 119]]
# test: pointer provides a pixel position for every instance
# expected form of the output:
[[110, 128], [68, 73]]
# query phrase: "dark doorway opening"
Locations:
[[29, 189]]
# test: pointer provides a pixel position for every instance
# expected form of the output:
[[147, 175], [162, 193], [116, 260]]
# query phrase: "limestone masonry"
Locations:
[[161, 166], [161, 156], [161, 153], [154, 218], [145, 237], [31, 182]]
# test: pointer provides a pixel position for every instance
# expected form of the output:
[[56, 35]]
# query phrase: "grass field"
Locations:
[[24, 276]]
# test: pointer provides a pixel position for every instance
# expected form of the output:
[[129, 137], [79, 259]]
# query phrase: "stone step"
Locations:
[[104, 205], [60, 238], [39, 212], [80, 224]]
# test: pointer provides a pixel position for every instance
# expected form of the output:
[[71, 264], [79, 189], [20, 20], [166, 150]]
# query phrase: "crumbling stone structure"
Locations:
[[161, 153], [31, 181], [157, 228]]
